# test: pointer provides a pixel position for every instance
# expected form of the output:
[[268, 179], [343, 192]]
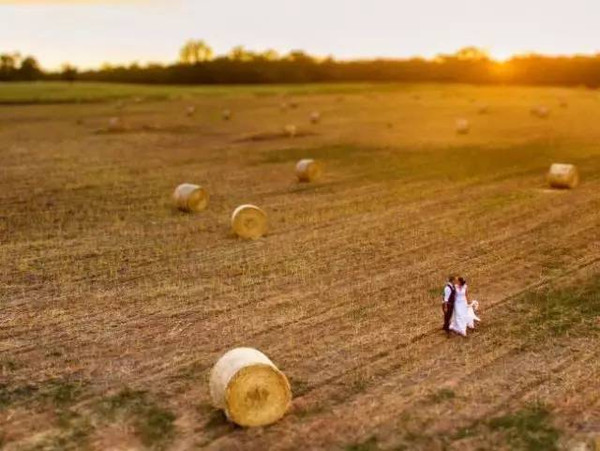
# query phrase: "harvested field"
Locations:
[[115, 306]]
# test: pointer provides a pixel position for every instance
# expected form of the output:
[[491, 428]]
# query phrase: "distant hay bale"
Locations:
[[540, 111], [190, 198], [226, 115], [463, 126], [563, 176], [563, 103], [315, 117], [115, 124], [308, 170], [249, 388], [483, 109], [190, 111], [294, 105], [249, 222], [290, 130], [284, 106]]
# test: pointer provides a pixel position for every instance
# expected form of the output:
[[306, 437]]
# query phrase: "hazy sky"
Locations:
[[88, 33]]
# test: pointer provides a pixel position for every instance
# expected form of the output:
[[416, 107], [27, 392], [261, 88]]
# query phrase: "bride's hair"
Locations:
[[462, 281]]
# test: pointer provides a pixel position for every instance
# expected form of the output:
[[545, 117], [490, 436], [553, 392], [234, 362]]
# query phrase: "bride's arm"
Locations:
[[467, 294]]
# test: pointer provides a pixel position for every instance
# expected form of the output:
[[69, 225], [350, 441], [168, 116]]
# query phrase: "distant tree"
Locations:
[[194, 52], [8, 66], [269, 55], [300, 56], [29, 69], [239, 53], [68, 73], [472, 54]]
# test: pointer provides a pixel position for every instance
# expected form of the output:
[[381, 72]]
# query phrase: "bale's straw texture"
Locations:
[[190, 198], [249, 221], [249, 388], [563, 176], [315, 117], [290, 130], [308, 170], [463, 126]]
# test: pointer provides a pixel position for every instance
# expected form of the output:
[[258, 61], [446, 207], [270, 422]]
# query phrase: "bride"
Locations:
[[464, 312]]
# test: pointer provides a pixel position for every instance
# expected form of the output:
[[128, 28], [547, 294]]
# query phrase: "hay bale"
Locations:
[[308, 170], [315, 117], [190, 111], [540, 111], [249, 388], [190, 198], [115, 124], [563, 103], [563, 176], [483, 109], [226, 115], [249, 222], [463, 127], [290, 130]]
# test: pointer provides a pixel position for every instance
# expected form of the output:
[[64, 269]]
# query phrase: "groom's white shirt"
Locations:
[[447, 293]]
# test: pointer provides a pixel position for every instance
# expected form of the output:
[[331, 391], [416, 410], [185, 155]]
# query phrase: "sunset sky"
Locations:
[[88, 33]]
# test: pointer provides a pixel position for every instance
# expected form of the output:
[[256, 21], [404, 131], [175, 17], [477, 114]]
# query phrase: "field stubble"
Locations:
[[114, 297]]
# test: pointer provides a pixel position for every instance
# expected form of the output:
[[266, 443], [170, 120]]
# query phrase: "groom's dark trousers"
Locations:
[[448, 314], [449, 307]]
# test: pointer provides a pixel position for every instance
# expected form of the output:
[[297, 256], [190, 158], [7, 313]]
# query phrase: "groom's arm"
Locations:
[[447, 293]]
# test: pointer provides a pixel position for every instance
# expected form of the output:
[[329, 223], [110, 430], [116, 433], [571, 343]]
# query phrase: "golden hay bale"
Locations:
[[226, 115], [190, 111], [463, 126], [563, 103], [315, 117], [290, 130], [563, 176], [540, 111], [190, 198], [115, 124], [308, 170], [483, 109], [249, 221], [249, 388]]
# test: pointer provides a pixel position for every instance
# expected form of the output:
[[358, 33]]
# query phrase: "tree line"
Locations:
[[198, 65]]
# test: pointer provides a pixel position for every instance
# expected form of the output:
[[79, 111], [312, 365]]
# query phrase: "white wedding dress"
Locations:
[[464, 314]]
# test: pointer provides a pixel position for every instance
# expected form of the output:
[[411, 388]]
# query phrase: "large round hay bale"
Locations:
[[190, 198], [463, 126], [190, 111], [249, 388], [308, 170], [226, 115], [563, 176], [540, 111], [249, 221], [290, 130], [115, 124], [315, 117]]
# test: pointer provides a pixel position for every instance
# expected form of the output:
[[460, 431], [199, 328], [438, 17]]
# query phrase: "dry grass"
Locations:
[[115, 306]]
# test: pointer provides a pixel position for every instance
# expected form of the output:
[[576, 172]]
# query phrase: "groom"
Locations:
[[448, 304]]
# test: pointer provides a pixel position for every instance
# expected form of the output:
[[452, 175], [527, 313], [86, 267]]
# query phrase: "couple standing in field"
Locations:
[[459, 312]]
